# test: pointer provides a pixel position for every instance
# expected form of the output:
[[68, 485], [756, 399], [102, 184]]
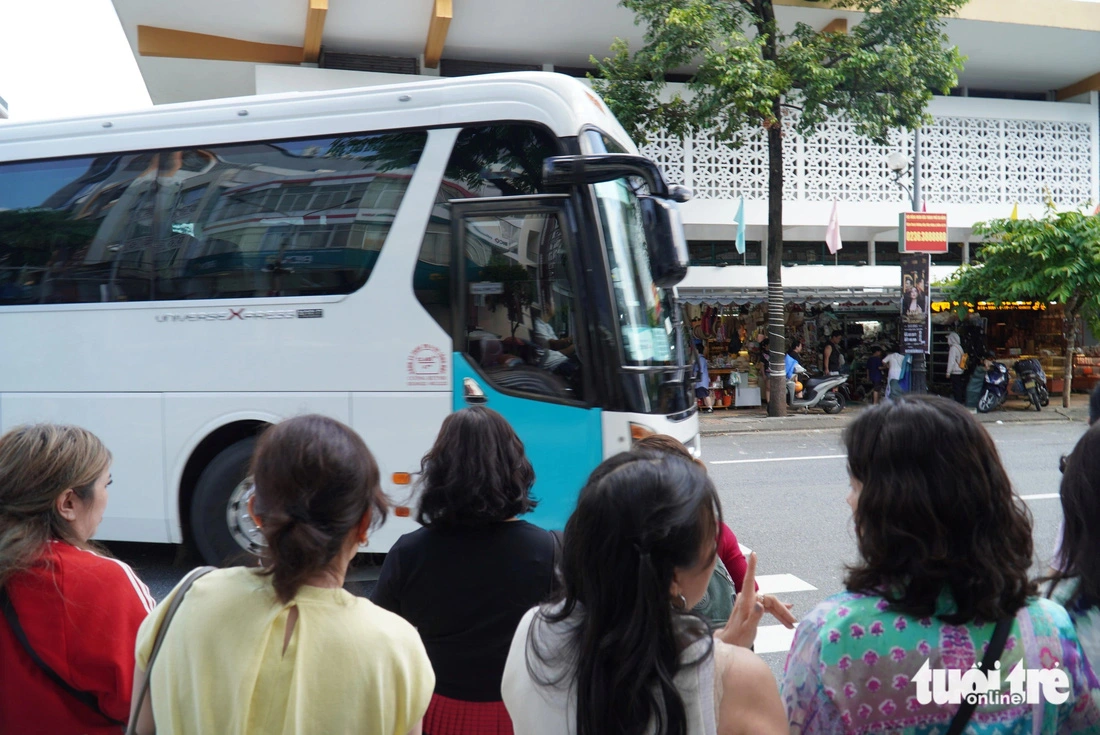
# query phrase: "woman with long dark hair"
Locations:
[[618, 650], [466, 578], [285, 649], [944, 552], [1076, 583]]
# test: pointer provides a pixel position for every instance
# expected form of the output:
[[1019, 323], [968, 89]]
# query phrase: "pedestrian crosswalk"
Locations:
[[776, 638]]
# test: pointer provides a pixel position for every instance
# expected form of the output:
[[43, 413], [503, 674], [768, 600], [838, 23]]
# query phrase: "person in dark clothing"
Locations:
[[874, 374], [832, 357], [467, 577]]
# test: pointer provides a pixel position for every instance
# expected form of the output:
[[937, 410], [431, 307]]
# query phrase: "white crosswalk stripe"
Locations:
[[773, 639], [778, 584], [776, 638]]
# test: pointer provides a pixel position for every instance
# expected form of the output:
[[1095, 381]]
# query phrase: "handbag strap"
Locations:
[[996, 647], [87, 698], [184, 585]]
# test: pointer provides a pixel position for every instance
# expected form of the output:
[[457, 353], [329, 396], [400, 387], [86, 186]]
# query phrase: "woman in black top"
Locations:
[[468, 576]]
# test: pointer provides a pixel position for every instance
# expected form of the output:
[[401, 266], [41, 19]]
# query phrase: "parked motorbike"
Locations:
[[994, 389], [820, 393], [1032, 382]]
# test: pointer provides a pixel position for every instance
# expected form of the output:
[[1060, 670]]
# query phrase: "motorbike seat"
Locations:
[[814, 382]]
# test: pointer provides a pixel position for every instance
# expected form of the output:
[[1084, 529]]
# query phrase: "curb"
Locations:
[[757, 423]]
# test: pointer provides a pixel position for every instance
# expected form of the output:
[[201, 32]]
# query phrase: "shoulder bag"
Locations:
[[87, 698], [996, 647], [171, 611]]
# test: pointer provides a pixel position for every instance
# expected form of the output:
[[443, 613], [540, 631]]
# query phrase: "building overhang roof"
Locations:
[[1020, 45]]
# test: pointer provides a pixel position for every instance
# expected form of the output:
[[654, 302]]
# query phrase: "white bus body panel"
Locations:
[[153, 379]]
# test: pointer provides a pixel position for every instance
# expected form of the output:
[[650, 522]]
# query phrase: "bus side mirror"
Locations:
[[664, 235]]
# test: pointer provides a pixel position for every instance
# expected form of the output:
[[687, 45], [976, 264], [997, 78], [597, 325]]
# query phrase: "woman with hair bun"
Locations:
[[467, 577], [77, 609], [285, 649], [945, 548]]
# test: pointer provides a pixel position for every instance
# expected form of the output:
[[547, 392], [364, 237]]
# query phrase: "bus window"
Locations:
[[487, 161], [520, 316], [279, 218]]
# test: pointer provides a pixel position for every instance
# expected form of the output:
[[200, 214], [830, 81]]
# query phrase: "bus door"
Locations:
[[520, 338]]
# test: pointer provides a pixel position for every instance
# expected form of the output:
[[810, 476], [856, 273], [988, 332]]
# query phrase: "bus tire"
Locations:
[[219, 539]]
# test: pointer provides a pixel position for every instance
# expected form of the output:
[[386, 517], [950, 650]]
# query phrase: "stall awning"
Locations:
[[812, 285], [808, 296]]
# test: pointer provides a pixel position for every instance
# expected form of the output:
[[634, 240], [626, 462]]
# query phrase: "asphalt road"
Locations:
[[783, 495]]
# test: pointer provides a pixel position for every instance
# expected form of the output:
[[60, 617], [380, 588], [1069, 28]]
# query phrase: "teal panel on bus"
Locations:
[[563, 443]]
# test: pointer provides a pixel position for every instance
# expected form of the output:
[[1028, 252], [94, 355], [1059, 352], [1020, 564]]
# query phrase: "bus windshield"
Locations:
[[645, 320]]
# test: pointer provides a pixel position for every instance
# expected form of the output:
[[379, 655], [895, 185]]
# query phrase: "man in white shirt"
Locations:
[[553, 352], [895, 362]]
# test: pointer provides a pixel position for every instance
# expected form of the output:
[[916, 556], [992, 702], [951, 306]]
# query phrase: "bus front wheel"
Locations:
[[222, 529]]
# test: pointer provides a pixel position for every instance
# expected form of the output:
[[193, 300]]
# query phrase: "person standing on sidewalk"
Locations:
[[956, 373], [894, 363], [832, 358], [285, 649], [468, 576], [702, 382], [874, 374], [70, 610]]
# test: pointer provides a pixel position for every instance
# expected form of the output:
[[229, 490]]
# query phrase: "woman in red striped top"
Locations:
[[76, 609]]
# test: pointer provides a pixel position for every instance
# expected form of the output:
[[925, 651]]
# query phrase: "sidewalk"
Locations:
[[746, 420]]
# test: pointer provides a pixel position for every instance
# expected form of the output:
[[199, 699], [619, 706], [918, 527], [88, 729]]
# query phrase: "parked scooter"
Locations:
[[994, 389], [1032, 382], [820, 393]]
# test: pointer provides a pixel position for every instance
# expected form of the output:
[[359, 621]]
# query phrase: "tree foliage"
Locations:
[[746, 74], [1055, 258], [880, 75]]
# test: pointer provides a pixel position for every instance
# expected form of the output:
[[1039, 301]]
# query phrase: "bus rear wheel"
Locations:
[[223, 531]]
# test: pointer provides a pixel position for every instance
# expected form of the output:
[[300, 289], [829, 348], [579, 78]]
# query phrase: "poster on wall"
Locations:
[[916, 316]]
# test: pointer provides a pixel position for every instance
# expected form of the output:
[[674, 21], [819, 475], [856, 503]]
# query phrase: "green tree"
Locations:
[[1056, 258], [747, 71]]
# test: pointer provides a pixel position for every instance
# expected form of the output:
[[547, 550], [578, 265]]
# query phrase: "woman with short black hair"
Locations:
[[467, 577], [945, 547]]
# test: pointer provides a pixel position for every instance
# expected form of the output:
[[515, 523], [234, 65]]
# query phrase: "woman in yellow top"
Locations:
[[285, 649]]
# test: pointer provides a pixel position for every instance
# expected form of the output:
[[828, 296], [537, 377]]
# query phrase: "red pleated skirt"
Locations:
[[446, 716]]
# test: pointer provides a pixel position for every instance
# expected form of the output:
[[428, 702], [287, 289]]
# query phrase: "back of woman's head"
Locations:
[[315, 479], [1081, 511], [662, 443], [38, 463], [640, 516], [476, 472], [936, 511]]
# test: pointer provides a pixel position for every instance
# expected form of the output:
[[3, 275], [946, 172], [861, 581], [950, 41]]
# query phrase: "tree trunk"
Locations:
[[1069, 331], [767, 28], [777, 338]]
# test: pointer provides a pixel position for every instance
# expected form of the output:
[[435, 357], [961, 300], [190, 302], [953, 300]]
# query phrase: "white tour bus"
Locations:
[[177, 279]]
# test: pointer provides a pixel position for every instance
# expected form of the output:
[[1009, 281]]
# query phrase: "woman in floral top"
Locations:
[[1077, 585], [945, 547]]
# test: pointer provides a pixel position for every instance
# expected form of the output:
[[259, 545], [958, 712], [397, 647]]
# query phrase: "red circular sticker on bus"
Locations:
[[427, 366]]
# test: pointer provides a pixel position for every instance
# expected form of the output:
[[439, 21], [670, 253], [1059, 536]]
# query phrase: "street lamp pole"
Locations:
[[919, 383]]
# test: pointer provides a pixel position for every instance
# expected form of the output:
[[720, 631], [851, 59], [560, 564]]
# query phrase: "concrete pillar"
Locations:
[[870, 252]]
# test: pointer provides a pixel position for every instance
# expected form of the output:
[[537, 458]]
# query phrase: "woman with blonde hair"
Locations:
[[71, 614]]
